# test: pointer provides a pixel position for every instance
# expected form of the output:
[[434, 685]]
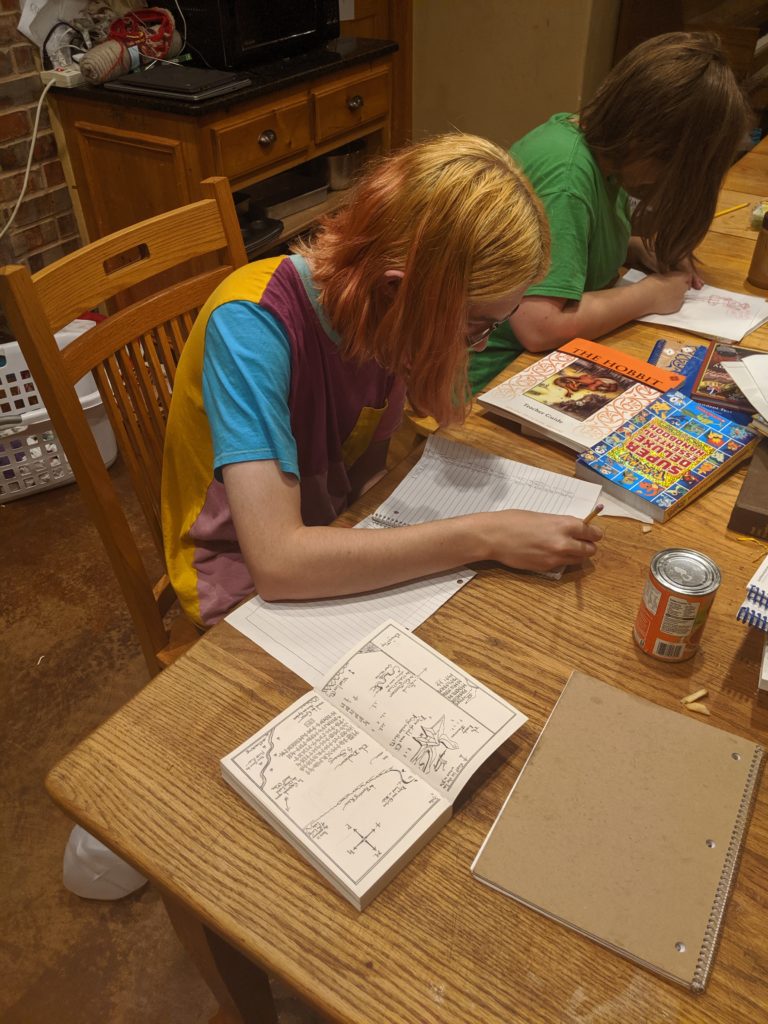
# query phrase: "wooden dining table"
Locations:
[[437, 945]]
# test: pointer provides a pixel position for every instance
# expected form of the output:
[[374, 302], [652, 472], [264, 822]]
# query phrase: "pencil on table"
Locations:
[[730, 209], [588, 519]]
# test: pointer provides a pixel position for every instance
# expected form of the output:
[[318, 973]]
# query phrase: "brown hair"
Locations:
[[674, 99], [458, 218]]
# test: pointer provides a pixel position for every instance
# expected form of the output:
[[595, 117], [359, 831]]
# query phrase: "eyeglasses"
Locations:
[[475, 339]]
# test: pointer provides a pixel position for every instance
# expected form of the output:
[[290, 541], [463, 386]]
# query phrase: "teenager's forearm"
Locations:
[[604, 311], [325, 561], [290, 561], [597, 313]]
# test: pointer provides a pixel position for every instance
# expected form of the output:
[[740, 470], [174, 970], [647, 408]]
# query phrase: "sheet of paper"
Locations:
[[613, 507], [713, 312], [311, 636], [751, 378], [452, 479], [431, 714]]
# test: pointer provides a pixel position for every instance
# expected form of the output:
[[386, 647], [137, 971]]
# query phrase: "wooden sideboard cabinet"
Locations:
[[128, 158]]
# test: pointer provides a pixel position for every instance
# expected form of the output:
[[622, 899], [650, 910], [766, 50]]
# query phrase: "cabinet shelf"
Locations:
[[299, 222]]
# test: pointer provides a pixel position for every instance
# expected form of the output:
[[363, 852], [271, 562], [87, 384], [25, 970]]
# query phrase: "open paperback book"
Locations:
[[359, 774], [579, 393]]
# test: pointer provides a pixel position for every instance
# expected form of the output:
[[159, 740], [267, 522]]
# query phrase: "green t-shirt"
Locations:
[[588, 222]]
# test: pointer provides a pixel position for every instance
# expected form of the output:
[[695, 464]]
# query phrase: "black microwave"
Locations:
[[242, 33]]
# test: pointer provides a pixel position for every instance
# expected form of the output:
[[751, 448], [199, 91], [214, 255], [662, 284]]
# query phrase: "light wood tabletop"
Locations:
[[436, 945]]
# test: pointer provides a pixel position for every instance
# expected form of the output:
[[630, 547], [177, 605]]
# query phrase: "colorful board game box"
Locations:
[[666, 455]]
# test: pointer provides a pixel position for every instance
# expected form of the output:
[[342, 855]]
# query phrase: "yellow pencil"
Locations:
[[730, 209], [588, 519]]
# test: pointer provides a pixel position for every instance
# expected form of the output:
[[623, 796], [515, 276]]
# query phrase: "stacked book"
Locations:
[[638, 435]]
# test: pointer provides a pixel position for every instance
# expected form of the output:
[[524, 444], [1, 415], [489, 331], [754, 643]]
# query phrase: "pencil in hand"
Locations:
[[595, 511]]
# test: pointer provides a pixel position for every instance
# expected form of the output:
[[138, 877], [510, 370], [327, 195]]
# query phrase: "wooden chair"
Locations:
[[133, 355]]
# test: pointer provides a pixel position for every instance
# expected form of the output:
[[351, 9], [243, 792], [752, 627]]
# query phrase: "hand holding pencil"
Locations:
[[595, 511]]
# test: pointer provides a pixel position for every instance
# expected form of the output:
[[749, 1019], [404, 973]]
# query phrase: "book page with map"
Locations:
[[359, 774]]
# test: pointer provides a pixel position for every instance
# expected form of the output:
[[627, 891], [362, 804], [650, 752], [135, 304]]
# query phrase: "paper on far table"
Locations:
[[714, 312], [310, 637], [751, 378]]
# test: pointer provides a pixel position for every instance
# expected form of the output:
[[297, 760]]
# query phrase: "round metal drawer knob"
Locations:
[[355, 102], [267, 138]]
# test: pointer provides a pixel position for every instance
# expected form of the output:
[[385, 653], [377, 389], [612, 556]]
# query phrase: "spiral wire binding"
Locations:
[[724, 886], [758, 596], [753, 618], [385, 520]]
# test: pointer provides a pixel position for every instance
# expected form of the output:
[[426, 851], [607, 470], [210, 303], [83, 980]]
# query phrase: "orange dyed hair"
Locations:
[[459, 219]]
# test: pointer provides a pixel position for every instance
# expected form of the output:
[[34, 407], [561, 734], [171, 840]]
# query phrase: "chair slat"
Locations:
[[148, 401], [153, 349], [131, 404], [122, 327]]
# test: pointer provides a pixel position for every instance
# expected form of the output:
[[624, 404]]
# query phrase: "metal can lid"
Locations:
[[685, 571]]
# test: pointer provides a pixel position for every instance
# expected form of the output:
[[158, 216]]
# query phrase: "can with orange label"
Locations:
[[678, 594]]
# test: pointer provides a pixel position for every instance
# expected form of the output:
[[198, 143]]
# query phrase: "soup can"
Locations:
[[677, 596]]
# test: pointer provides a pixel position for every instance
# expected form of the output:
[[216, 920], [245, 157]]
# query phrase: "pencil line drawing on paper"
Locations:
[[432, 744], [364, 840]]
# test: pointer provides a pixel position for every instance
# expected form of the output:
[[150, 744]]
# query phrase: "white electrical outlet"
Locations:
[[64, 77]]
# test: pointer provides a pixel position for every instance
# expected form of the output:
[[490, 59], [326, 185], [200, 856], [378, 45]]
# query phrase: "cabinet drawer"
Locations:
[[344, 106], [260, 138]]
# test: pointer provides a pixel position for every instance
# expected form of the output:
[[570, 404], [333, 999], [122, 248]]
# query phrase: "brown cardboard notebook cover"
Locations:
[[626, 824]]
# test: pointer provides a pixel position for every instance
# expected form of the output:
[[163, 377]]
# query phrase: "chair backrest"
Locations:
[[133, 355]]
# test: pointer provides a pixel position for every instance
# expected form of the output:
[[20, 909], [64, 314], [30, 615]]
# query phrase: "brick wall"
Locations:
[[44, 228]]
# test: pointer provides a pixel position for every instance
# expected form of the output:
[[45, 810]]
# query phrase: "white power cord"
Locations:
[[29, 159]]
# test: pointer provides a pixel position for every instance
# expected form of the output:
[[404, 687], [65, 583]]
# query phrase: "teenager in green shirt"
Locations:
[[664, 128]]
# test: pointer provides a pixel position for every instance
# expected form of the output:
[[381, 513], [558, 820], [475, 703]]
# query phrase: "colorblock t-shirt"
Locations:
[[261, 377]]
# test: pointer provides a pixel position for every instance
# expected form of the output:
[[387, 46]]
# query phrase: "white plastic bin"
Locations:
[[32, 458]]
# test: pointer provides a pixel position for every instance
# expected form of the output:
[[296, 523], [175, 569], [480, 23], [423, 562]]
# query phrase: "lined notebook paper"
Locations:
[[311, 636], [452, 479], [626, 823]]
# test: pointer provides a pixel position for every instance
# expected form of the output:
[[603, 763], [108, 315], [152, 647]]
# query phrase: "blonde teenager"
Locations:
[[294, 375], [664, 127]]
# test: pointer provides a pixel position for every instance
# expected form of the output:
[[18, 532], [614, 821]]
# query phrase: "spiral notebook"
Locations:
[[626, 824], [454, 479], [754, 607]]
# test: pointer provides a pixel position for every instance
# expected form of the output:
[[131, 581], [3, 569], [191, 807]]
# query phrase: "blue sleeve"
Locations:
[[246, 381]]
